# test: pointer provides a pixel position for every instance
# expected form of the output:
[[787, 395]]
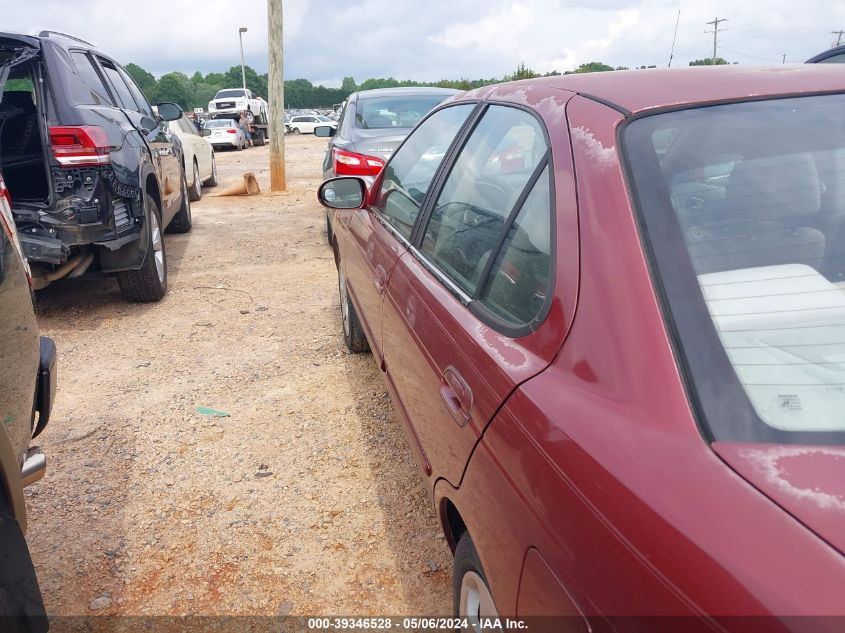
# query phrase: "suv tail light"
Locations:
[[352, 164], [231, 131], [81, 146]]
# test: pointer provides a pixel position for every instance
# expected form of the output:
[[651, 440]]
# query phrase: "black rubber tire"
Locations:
[[295, 130], [143, 285], [466, 560], [258, 138], [182, 222], [195, 192], [21, 605], [212, 180], [329, 232], [355, 339]]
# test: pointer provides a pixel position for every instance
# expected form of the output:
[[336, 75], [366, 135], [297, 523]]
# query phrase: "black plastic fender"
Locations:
[[21, 606], [131, 256]]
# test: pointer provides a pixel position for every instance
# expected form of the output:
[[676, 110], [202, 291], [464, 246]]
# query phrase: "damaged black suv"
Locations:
[[95, 174]]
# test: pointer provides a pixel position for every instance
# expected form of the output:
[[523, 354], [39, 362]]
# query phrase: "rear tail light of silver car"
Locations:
[[353, 164], [80, 146]]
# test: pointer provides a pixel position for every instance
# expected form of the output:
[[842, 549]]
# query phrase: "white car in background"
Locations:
[[305, 124], [224, 133], [200, 166]]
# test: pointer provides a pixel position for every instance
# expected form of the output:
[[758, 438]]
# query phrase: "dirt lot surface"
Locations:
[[305, 500]]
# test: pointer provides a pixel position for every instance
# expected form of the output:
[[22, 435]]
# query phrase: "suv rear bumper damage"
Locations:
[[93, 213]]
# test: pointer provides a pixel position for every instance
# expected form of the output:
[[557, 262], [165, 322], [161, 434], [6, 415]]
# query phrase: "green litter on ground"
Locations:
[[212, 412]]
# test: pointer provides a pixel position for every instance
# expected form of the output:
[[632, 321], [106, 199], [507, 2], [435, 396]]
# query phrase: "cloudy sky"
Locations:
[[326, 40]]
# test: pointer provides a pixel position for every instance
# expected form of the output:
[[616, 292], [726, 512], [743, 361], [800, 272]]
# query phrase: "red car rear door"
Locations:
[[377, 236], [470, 310]]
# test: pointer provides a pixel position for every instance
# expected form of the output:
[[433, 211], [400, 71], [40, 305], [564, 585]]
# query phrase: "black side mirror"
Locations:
[[346, 192], [169, 111], [324, 131], [206, 131]]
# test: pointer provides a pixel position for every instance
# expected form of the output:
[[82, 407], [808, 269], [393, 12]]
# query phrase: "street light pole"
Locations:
[[241, 32]]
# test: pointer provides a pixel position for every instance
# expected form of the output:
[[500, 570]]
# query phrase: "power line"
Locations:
[[762, 59], [716, 30]]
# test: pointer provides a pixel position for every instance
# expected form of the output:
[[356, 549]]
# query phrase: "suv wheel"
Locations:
[[183, 221], [212, 182], [295, 130], [148, 283], [250, 117], [353, 333], [471, 597], [195, 191]]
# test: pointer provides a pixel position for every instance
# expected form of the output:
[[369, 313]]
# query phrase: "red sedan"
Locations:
[[609, 310]]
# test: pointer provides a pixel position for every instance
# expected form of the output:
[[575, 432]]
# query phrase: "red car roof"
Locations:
[[638, 90]]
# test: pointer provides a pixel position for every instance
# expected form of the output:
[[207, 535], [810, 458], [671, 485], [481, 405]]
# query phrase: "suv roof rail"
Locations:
[[49, 33]]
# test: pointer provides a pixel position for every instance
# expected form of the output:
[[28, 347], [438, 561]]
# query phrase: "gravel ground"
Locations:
[[305, 500]]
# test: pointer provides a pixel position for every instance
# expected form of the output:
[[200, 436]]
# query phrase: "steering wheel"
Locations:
[[494, 193]]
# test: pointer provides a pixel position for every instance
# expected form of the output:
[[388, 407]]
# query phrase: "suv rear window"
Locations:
[[743, 208], [119, 86], [97, 92]]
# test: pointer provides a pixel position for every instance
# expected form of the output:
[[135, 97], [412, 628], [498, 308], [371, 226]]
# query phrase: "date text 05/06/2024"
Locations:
[[418, 624]]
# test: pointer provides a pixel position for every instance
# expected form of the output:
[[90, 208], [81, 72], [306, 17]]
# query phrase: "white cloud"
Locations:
[[436, 39], [625, 21], [507, 27]]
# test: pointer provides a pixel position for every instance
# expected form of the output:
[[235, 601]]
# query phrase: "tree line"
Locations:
[[198, 89]]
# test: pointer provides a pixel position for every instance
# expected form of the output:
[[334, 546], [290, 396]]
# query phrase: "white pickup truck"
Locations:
[[232, 101]]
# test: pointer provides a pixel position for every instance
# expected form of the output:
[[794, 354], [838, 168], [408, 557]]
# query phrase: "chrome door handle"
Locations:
[[456, 395]]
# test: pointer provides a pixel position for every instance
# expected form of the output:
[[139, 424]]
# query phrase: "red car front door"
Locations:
[[464, 318], [377, 236]]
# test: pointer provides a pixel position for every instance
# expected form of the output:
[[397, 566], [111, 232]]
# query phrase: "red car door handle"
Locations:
[[457, 396], [380, 279]]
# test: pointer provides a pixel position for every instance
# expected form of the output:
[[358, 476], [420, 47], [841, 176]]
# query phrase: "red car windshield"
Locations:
[[742, 208]]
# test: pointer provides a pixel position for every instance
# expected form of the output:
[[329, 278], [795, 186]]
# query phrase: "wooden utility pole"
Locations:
[[716, 30], [838, 35], [276, 96]]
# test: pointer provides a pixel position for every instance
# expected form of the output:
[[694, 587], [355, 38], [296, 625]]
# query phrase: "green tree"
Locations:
[[708, 61], [144, 79], [348, 86], [593, 67], [197, 78], [203, 93], [255, 82], [522, 73], [175, 87]]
